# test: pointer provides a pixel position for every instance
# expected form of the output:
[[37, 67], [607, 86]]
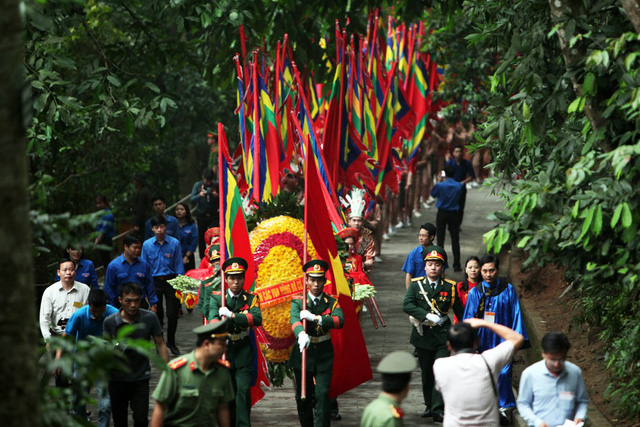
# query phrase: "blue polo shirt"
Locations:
[[81, 324], [119, 271], [164, 259], [188, 238], [173, 228], [448, 193], [106, 224], [463, 170], [85, 273], [414, 264]]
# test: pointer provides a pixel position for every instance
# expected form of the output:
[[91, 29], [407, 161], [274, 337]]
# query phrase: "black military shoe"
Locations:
[[427, 412]]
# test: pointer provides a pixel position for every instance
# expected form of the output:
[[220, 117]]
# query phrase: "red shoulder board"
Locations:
[[215, 292], [178, 363], [296, 297], [224, 363]]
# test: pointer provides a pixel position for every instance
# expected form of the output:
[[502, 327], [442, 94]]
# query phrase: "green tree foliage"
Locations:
[[562, 129]]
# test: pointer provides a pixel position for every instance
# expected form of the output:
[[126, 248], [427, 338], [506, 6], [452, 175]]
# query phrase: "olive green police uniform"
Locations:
[[192, 397], [240, 353], [385, 411], [319, 354], [432, 343]]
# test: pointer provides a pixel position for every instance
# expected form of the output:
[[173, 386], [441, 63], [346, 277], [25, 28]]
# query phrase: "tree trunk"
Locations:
[[632, 7], [561, 12], [20, 392]]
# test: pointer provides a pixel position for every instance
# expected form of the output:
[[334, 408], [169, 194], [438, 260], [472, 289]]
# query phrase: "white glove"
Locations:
[[224, 311], [306, 314], [434, 318], [303, 341]]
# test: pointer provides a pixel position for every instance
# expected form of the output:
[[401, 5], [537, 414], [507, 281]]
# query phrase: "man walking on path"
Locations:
[[242, 309], [428, 302], [132, 388], [159, 205], [552, 390], [105, 229], [448, 193], [463, 174], [414, 265], [164, 256], [496, 301], [204, 196], [467, 380]]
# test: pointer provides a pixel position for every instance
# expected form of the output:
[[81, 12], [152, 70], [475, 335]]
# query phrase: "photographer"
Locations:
[[204, 196]]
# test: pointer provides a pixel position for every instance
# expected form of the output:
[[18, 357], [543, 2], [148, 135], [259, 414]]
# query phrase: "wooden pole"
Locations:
[[367, 301], [374, 303]]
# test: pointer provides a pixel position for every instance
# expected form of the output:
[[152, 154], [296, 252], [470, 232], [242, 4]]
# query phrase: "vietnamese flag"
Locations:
[[351, 366]]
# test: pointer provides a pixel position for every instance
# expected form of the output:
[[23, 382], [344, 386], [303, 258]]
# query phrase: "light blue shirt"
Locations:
[[544, 397], [164, 259], [81, 324]]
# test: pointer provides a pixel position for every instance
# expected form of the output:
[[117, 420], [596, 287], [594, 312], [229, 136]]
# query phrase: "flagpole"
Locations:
[[221, 197], [303, 376]]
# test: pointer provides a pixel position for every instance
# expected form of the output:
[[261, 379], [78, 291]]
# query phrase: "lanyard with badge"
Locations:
[[489, 316]]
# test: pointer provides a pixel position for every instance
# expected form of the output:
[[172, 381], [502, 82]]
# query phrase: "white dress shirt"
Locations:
[[59, 304]]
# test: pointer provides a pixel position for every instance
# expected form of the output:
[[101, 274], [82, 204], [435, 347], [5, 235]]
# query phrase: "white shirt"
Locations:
[[59, 304], [463, 380]]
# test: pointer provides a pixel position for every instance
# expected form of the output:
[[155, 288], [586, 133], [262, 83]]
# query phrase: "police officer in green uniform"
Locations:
[[323, 313], [196, 389], [242, 309], [429, 301], [385, 411], [211, 284]]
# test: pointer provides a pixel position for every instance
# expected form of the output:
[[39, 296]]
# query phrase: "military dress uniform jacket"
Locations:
[[382, 412], [444, 297], [246, 309], [192, 396], [207, 287], [320, 351]]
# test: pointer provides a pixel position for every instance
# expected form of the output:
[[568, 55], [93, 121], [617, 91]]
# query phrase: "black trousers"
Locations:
[[204, 223], [426, 359], [125, 393], [164, 289], [450, 219], [461, 202]]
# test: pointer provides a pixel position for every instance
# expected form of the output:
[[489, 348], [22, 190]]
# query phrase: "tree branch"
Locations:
[[632, 7]]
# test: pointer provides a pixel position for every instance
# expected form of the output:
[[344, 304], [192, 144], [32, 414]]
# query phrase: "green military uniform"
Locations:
[[192, 397], [319, 356], [432, 344], [240, 352], [385, 411], [211, 284]]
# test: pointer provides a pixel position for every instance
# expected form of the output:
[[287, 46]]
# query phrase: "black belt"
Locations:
[[165, 277]]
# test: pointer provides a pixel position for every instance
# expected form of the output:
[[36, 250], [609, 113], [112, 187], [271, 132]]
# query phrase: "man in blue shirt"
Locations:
[[164, 256], [127, 268], [159, 205], [448, 192], [87, 321], [464, 173], [105, 229], [414, 264], [552, 390]]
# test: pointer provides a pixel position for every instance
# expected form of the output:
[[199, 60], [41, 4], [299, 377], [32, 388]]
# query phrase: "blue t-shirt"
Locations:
[[463, 170], [85, 273], [106, 224], [173, 228], [448, 193], [414, 265], [119, 271], [164, 259], [81, 324], [188, 238]]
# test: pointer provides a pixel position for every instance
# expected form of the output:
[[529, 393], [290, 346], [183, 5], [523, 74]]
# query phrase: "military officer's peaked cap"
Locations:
[[435, 253], [398, 362], [214, 252], [235, 265], [316, 268], [217, 329]]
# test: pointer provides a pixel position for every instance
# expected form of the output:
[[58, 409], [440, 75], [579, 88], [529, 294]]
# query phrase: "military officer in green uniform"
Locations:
[[211, 284], [323, 313], [196, 389], [242, 309], [385, 411], [429, 301]]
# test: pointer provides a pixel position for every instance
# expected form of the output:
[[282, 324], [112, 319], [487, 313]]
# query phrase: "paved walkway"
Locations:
[[279, 408]]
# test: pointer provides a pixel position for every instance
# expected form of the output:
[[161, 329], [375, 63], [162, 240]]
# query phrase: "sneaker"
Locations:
[[425, 205], [474, 184], [377, 259], [399, 225], [417, 214], [386, 237], [392, 231], [431, 200], [409, 222]]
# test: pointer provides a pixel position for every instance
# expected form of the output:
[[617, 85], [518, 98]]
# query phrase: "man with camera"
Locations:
[[204, 196]]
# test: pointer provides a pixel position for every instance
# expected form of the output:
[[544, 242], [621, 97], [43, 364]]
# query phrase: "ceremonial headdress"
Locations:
[[315, 268], [235, 265], [356, 203], [348, 232], [212, 235], [435, 253]]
